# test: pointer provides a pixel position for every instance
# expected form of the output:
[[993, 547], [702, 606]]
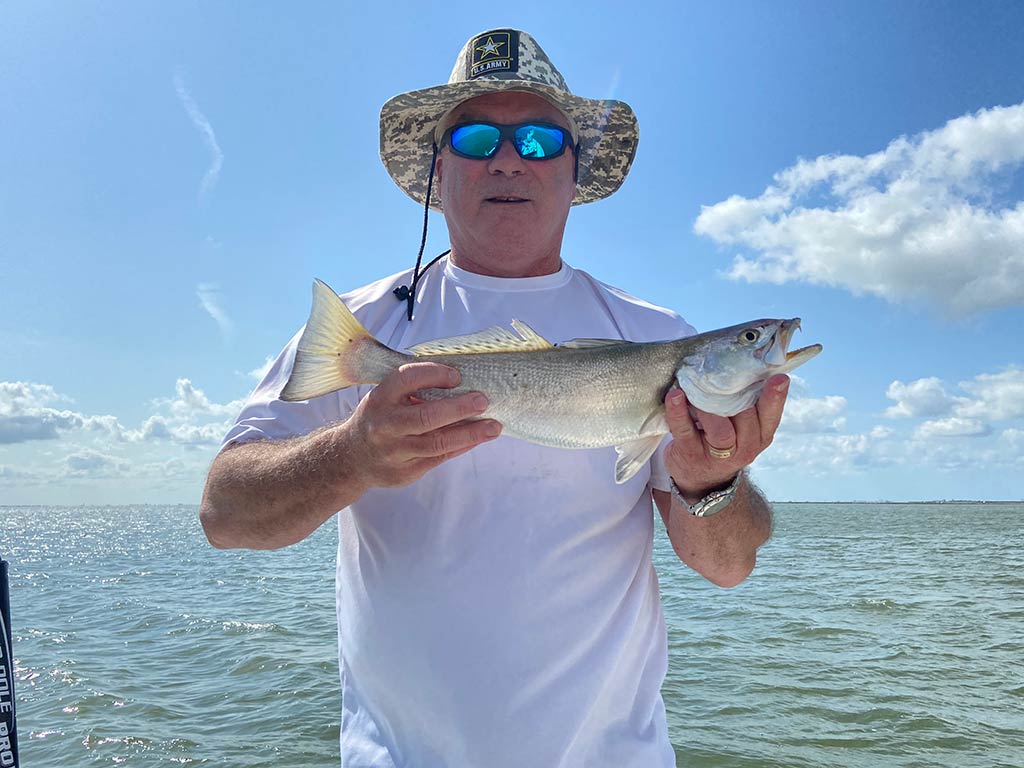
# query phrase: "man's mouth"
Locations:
[[507, 199]]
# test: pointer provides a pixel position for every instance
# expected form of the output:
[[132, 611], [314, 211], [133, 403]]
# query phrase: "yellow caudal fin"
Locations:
[[335, 351]]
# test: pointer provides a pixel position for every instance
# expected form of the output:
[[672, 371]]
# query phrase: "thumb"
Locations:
[[677, 413]]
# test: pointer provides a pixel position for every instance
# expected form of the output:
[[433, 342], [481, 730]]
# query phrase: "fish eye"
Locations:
[[750, 336]]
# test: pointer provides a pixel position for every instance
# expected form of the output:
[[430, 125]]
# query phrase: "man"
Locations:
[[497, 603]]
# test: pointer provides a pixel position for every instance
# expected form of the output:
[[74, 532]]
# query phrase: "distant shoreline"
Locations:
[[933, 502]]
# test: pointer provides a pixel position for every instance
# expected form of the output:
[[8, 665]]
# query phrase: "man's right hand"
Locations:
[[401, 437], [268, 494]]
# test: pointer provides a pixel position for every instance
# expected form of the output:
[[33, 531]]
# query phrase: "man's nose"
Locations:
[[506, 160]]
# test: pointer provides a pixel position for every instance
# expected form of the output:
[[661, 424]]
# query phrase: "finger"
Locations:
[[453, 454], [428, 415], [452, 439], [412, 377], [686, 451], [747, 427], [423, 465], [418, 467], [719, 432], [770, 405], [677, 414]]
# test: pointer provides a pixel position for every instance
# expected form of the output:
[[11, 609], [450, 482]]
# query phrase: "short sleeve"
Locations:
[[266, 417], [660, 479]]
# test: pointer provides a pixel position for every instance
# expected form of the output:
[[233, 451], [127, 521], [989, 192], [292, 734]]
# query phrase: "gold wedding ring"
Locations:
[[721, 453]]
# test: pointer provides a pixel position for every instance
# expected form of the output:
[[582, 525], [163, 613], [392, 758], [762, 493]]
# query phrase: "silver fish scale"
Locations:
[[570, 398], [590, 393]]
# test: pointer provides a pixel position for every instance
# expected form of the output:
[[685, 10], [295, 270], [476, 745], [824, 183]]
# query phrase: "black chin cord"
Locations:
[[407, 293]]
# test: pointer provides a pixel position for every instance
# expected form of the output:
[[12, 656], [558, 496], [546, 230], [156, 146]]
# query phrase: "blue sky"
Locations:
[[175, 176]]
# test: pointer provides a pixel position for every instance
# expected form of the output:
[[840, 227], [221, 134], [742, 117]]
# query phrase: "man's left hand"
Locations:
[[698, 436]]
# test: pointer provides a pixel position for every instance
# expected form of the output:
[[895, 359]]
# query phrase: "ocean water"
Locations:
[[869, 635]]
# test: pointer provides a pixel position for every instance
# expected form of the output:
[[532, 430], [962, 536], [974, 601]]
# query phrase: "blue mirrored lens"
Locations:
[[475, 140], [535, 141]]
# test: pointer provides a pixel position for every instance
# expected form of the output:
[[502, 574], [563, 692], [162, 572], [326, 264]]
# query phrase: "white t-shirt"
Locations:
[[503, 610]]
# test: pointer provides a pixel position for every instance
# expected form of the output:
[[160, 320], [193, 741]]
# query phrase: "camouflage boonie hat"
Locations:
[[507, 60]]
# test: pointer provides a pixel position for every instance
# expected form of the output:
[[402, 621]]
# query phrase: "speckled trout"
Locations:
[[584, 393]]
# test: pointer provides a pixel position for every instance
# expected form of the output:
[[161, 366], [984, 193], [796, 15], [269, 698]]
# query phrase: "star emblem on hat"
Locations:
[[490, 48]]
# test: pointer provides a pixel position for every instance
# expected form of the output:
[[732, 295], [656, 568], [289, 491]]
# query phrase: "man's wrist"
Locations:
[[710, 501]]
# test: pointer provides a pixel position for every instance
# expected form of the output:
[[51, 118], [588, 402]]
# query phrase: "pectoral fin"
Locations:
[[656, 422], [633, 455]]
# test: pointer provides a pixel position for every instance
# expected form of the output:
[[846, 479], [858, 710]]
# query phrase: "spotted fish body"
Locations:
[[571, 398], [587, 393]]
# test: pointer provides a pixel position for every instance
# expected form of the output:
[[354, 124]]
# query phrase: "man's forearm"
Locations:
[[723, 547], [269, 494]]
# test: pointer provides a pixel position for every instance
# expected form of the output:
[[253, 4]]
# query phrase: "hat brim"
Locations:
[[608, 134]]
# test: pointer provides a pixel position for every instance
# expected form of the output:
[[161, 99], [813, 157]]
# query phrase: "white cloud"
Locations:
[[189, 420], [814, 414], [945, 424], [171, 469], [167, 454], [821, 454], [191, 403], [992, 397], [193, 435], [157, 428], [209, 295], [1013, 444], [153, 428], [996, 396], [9, 474], [26, 414], [22, 394], [203, 126], [924, 397], [917, 221], [88, 463], [954, 426]]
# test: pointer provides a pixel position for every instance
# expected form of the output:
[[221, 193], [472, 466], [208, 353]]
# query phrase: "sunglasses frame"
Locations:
[[507, 132]]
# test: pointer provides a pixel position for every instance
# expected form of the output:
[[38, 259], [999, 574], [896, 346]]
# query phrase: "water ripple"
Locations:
[[868, 636]]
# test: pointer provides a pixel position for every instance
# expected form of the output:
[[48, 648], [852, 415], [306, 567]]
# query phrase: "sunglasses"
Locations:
[[533, 141]]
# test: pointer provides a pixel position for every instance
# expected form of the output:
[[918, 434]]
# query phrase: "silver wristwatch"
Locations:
[[711, 504]]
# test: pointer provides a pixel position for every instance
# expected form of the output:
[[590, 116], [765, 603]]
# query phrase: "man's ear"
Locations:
[[437, 168]]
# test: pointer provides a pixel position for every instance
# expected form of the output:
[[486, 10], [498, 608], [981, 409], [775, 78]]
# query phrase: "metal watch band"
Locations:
[[712, 503]]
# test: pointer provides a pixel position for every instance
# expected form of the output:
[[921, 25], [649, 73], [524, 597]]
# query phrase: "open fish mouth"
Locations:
[[778, 358], [803, 353]]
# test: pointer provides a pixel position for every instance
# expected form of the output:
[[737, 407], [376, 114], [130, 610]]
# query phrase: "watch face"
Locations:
[[712, 504]]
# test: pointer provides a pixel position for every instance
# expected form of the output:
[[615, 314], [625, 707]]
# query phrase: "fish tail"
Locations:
[[335, 351]]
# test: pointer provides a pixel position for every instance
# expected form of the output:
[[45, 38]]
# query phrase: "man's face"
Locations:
[[506, 215]]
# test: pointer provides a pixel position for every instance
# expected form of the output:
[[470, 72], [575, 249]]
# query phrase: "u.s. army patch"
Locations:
[[493, 52]]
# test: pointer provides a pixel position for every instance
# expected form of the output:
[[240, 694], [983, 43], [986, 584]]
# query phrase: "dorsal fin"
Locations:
[[494, 339], [591, 343]]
